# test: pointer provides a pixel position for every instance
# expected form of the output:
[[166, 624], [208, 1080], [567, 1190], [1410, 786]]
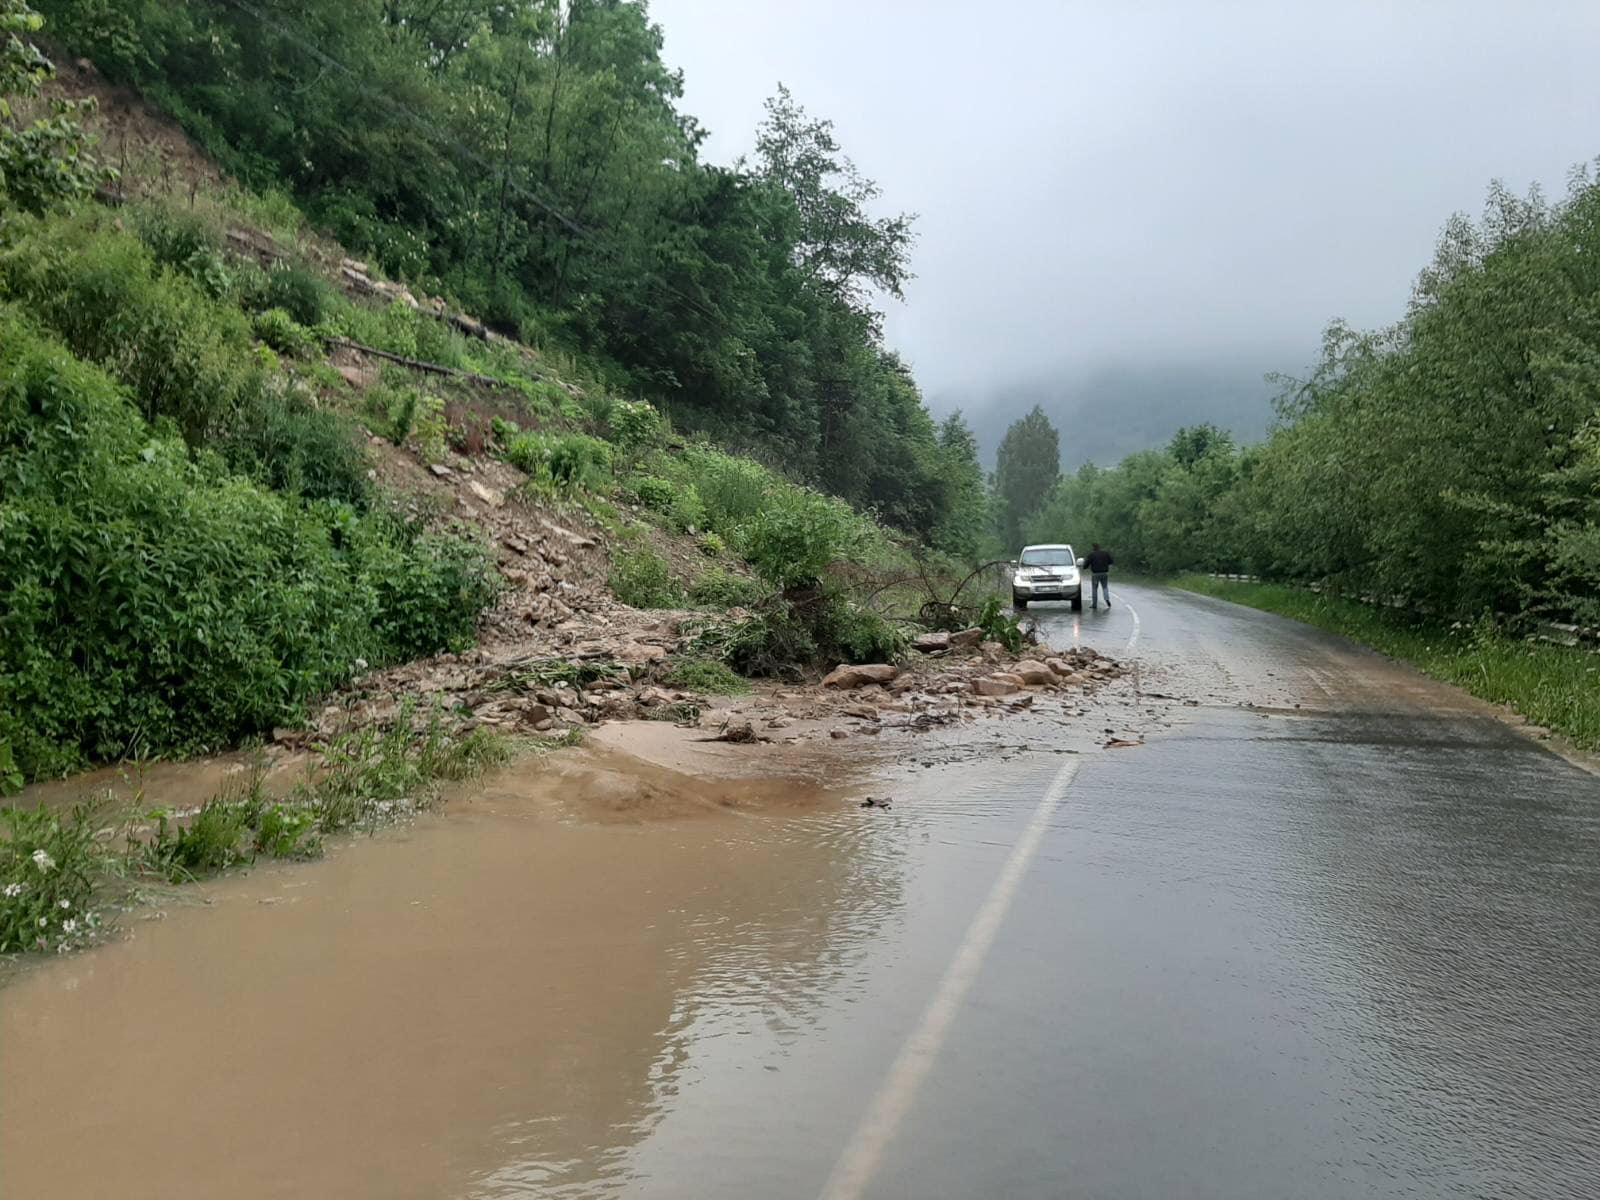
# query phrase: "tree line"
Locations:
[[1452, 458], [531, 158]]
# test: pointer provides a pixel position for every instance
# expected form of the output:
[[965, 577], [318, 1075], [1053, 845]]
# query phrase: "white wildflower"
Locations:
[[43, 860], [43, 922], [66, 904], [70, 925], [13, 890]]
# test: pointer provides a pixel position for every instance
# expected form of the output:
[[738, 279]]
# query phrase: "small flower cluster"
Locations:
[[48, 866]]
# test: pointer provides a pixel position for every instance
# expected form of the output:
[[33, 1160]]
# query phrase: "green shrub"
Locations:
[[427, 588], [212, 841], [564, 461], [151, 600], [283, 333], [288, 831], [304, 296], [855, 634], [798, 536], [49, 865], [654, 493], [173, 235], [641, 578], [181, 354], [723, 589], [732, 489], [711, 545], [705, 675], [285, 442], [188, 243], [999, 625], [772, 642], [370, 774], [634, 425]]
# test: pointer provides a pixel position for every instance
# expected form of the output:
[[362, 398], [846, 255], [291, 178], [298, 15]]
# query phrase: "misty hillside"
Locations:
[[1106, 414]]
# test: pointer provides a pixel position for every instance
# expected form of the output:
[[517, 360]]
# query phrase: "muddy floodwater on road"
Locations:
[[1340, 943]]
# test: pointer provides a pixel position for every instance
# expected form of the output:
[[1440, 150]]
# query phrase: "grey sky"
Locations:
[[1121, 182]]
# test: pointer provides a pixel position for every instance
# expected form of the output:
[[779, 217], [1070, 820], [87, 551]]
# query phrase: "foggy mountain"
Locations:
[[1107, 413]]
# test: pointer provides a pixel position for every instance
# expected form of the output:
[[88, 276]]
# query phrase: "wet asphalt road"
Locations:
[[1350, 948], [1346, 946], [1345, 942]]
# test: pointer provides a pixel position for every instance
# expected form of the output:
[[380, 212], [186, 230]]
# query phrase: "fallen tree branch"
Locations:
[[417, 364]]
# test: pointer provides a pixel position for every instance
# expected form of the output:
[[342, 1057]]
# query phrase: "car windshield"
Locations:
[[1048, 556]]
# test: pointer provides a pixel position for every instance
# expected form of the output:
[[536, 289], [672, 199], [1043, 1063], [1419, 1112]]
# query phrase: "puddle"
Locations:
[[499, 992]]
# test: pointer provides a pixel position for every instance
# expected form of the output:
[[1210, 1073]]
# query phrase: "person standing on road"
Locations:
[[1099, 564]]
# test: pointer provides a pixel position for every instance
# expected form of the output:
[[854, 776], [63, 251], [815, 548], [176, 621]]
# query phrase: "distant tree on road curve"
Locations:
[[1026, 471]]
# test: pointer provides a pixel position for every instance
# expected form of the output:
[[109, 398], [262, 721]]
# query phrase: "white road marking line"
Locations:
[[861, 1157], [1133, 638]]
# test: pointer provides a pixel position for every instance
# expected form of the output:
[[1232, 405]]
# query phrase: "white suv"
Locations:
[[1047, 573]]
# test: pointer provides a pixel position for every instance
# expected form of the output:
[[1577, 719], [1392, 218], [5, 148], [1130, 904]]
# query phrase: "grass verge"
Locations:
[[61, 873], [1553, 686]]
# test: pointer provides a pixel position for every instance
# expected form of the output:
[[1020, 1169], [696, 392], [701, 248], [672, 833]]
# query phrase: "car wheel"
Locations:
[[1017, 601], [1077, 602]]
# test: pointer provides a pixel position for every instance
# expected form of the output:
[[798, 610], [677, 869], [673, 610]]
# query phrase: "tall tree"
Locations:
[[838, 243], [1026, 470]]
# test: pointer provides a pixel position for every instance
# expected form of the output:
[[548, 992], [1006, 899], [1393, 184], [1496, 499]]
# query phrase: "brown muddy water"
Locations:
[[497, 993]]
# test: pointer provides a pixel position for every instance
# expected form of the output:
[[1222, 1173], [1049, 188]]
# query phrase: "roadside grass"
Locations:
[[1553, 686], [61, 871]]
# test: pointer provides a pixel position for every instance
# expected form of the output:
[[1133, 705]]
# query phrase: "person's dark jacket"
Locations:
[[1098, 562]]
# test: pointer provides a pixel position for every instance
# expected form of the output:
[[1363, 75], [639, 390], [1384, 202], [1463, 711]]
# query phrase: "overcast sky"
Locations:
[[1121, 182]]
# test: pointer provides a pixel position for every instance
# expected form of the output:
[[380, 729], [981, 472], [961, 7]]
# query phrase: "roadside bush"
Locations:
[[654, 493], [49, 864], [641, 578], [999, 625], [711, 545], [152, 601], [847, 631], [173, 235], [706, 676], [287, 831], [634, 425], [371, 774], [732, 489], [678, 502], [427, 588], [188, 243], [771, 643], [210, 842]]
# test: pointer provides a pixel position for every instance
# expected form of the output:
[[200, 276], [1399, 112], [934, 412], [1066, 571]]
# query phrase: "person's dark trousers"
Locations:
[[1102, 583]]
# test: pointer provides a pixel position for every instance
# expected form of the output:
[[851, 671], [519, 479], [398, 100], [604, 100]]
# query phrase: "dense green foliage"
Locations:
[[45, 160], [1453, 459], [531, 159], [150, 599]]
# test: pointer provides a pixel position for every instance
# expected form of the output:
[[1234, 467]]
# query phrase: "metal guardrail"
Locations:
[[1555, 632]]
